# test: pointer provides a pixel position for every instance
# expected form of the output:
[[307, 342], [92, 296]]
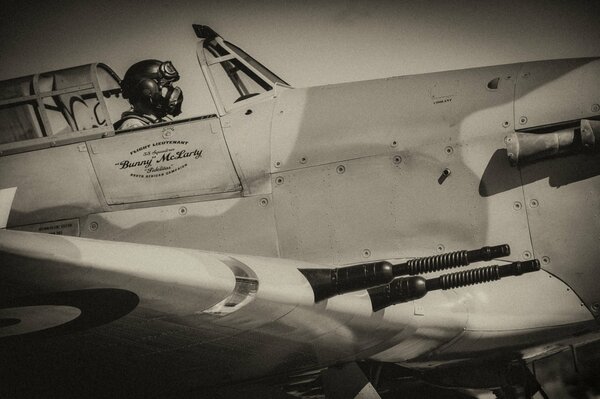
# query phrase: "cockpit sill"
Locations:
[[168, 123]]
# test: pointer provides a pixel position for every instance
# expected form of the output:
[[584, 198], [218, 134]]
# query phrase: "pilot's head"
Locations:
[[148, 85]]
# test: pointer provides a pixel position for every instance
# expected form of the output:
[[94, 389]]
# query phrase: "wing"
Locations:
[[150, 318], [83, 317]]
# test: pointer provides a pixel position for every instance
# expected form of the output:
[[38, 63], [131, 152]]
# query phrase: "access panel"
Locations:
[[169, 161], [563, 208]]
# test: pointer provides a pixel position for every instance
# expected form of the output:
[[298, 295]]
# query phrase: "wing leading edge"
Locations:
[[152, 317]]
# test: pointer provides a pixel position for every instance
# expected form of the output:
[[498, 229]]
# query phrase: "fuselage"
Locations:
[[359, 172]]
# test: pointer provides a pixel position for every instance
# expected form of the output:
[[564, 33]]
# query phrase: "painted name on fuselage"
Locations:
[[159, 159]]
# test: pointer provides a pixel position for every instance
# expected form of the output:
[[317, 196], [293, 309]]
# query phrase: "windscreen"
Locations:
[[236, 74], [257, 65]]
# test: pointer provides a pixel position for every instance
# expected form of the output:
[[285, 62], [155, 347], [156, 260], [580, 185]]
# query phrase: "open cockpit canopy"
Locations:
[[58, 107]]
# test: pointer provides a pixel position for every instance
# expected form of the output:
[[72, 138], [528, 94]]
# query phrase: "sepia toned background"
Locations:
[[307, 43]]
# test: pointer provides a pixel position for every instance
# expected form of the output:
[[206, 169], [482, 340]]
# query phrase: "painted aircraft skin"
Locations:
[[174, 260]]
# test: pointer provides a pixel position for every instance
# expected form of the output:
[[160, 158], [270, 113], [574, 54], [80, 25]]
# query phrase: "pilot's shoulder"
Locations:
[[130, 120], [131, 123]]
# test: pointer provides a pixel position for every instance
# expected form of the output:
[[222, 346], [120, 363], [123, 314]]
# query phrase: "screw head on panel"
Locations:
[[545, 260]]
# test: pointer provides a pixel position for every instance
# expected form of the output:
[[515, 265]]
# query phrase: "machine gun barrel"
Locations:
[[327, 283], [450, 260], [406, 289]]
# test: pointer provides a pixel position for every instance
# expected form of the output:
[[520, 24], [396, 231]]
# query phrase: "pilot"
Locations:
[[148, 85]]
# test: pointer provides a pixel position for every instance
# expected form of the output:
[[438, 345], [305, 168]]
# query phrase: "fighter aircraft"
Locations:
[[305, 242]]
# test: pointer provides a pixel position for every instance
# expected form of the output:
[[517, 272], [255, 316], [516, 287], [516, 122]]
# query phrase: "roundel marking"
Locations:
[[65, 312], [29, 319]]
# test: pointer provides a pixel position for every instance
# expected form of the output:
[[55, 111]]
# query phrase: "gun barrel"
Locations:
[[406, 289], [450, 260], [327, 283]]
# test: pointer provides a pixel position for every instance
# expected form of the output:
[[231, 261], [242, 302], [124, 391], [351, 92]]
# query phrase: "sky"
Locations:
[[306, 42]]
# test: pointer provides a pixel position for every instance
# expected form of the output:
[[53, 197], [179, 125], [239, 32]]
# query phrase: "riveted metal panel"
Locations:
[[399, 203], [177, 160], [563, 207], [550, 92], [325, 124], [52, 184], [247, 131], [235, 225], [379, 210]]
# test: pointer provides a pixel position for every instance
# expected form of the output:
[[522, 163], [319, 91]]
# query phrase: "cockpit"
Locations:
[[83, 103], [48, 109]]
